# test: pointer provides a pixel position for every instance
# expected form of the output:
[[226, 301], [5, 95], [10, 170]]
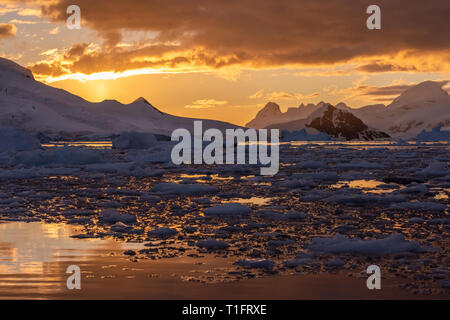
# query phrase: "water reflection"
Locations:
[[34, 256], [84, 144]]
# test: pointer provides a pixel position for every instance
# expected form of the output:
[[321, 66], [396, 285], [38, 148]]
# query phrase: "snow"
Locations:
[[395, 243], [421, 107], [271, 114], [228, 209], [35, 107]]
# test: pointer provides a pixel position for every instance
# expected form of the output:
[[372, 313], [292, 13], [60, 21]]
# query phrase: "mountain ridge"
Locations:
[[34, 106], [421, 107]]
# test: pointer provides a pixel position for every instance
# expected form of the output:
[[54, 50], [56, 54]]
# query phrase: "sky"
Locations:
[[225, 60]]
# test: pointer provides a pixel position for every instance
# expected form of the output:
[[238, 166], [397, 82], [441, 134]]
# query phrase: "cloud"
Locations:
[[17, 21], [219, 34], [7, 30], [257, 95], [54, 31], [29, 12], [289, 96], [384, 67], [205, 104], [281, 95], [382, 93]]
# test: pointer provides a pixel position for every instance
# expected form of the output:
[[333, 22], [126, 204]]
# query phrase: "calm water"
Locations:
[[34, 257]]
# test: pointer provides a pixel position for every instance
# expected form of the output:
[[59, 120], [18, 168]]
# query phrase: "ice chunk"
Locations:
[[14, 140], [134, 140], [435, 169], [162, 233], [228, 209], [66, 156], [335, 263], [256, 264], [113, 216], [212, 244], [395, 243], [426, 205]]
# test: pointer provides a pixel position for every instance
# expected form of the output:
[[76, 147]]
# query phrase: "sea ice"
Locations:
[[228, 209], [394, 243]]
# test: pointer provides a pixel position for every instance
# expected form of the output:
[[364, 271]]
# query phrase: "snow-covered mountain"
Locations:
[[336, 123], [272, 114], [422, 107], [33, 106]]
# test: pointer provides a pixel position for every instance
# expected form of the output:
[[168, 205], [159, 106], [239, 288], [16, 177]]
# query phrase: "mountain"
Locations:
[[336, 123], [266, 116], [271, 114], [33, 106], [421, 107]]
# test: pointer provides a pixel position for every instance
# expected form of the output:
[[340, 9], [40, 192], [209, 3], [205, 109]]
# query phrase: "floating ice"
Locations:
[[162, 233], [228, 209], [435, 169], [256, 264], [395, 243], [212, 244], [113, 216], [426, 205], [134, 140], [13, 140]]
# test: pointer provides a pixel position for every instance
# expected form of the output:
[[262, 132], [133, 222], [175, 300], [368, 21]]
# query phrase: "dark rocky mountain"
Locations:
[[336, 123], [339, 123]]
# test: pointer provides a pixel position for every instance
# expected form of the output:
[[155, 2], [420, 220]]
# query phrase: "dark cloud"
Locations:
[[384, 67], [76, 51], [261, 33], [386, 93], [7, 30], [50, 69], [392, 90]]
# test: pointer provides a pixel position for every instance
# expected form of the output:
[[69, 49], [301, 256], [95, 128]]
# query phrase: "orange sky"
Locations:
[[225, 59]]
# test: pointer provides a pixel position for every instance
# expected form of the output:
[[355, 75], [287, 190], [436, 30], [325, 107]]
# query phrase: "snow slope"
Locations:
[[272, 114], [422, 107], [36, 107], [335, 123]]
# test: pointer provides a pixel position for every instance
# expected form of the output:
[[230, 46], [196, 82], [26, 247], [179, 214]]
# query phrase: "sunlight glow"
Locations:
[[110, 75]]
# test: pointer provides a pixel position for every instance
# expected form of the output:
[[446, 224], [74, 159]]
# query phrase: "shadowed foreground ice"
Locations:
[[333, 207]]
